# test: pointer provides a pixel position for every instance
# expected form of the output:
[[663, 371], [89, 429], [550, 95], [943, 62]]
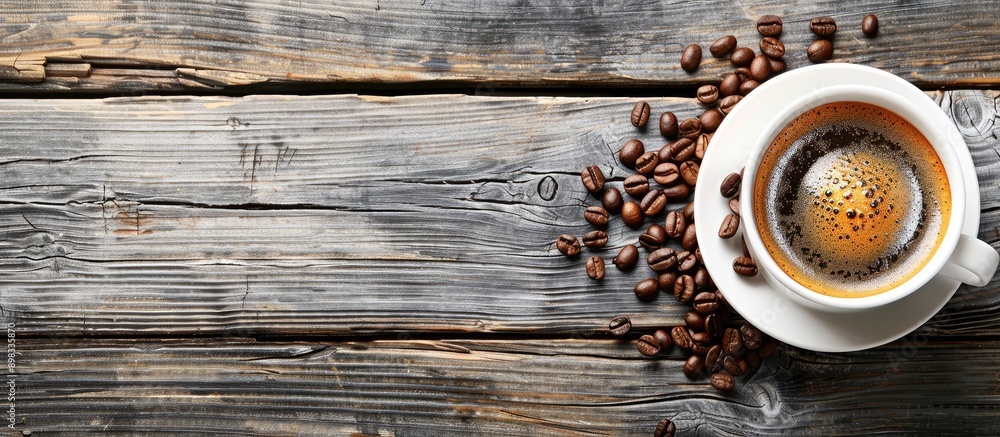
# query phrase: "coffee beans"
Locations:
[[747, 86], [681, 337], [646, 163], [653, 238], [730, 85], [772, 47], [595, 268], [684, 289], [741, 57], [823, 26], [745, 266], [760, 69], [869, 26], [647, 345], [595, 239], [647, 289], [702, 280], [689, 241], [568, 245], [723, 381], [710, 120], [612, 200], [596, 216], [708, 94], [732, 343], [653, 203], [730, 225], [778, 66], [663, 339], [714, 326], [631, 151], [662, 259], [820, 50], [705, 302], [689, 171], [729, 102], [691, 58], [632, 215], [722, 46], [752, 337], [730, 185], [690, 128], [694, 320], [769, 25], [701, 145], [694, 366], [665, 428], [593, 179], [620, 325], [736, 366], [640, 114], [666, 173], [675, 224], [713, 359], [687, 262], [627, 257], [666, 280], [682, 149], [743, 73], [636, 185], [668, 125]]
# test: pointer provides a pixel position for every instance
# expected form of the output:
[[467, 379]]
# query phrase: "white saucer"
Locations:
[[765, 307]]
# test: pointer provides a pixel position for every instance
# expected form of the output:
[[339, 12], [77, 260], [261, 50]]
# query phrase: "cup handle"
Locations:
[[974, 262]]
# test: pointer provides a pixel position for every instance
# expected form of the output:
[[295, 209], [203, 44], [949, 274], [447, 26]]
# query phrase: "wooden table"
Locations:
[[303, 218]]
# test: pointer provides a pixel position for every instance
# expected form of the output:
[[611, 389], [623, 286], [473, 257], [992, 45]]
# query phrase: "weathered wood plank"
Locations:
[[211, 44], [462, 387], [339, 215]]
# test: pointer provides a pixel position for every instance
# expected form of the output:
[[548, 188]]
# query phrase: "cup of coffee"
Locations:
[[853, 198]]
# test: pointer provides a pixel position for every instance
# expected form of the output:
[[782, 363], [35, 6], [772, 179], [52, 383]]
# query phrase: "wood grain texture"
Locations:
[[341, 215], [486, 387], [155, 46]]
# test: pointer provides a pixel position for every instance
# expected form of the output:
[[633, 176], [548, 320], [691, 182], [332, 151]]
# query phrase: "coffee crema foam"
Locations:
[[851, 200]]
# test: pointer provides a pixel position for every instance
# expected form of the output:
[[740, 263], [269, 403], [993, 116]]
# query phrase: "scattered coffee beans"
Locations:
[[772, 47], [596, 216], [730, 85], [748, 86], [745, 266], [730, 185], [653, 203], [612, 200], [640, 114], [760, 69], [742, 57], [666, 173], [662, 260], [647, 289], [689, 172], [689, 241], [646, 163], [690, 128], [668, 125], [653, 238], [778, 66], [729, 102], [705, 302], [694, 366], [722, 46], [723, 381], [681, 337], [636, 185], [663, 339], [729, 226], [595, 268], [710, 120], [666, 280], [820, 50], [665, 428], [691, 58], [708, 94], [568, 245], [632, 215], [647, 345], [823, 26], [593, 179], [769, 25], [675, 224], [627, 257], [595, 239], [701, 144], [869, 26], [684, 289], [734, 205], [620, 325], [631, 151]]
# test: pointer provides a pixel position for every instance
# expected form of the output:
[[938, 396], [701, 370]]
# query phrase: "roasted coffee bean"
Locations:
[[751, 336], [678, 191], [710, 120], [745, 266], [748, 86], [760, 69], [714, 326], [675, 224], [700, 349], [732, 343], [663, 339], [646, 163], [681, 337], [631, 151], [688, 211], [736, 366], [723, 381], [690, 128], [595, 268], [593, 179], [647, 289], [627, 257], [701, 145], [690, 239], [620, 326], [686, 262], [665, 428], [730, 85], [691, 58], [694, 366], [705, 302], [568, 245], [708, 94], [730, 225], [820, 50], [632, 214], [647, 345], [668, 125], [694, 320], [752, 358], [653, 238], [596, 216], [595, 239], [689, 171], [682, 149], [772, 47], [653, 203], [742, 57], [640, 114], [767, 349], [702, 280], [734, 205], [822, 26], [662, 260], [769, 25], [730, 185], [722, 46], [727, 104], [666, 173], [869, 26], [636, 185], [684, 288], [612, 200], [724, 304], [743, 73], [666, 280], [700, 338], [713, 359], [778, 66]]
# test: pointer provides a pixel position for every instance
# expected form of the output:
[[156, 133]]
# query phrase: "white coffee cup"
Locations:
[[960, 257]]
